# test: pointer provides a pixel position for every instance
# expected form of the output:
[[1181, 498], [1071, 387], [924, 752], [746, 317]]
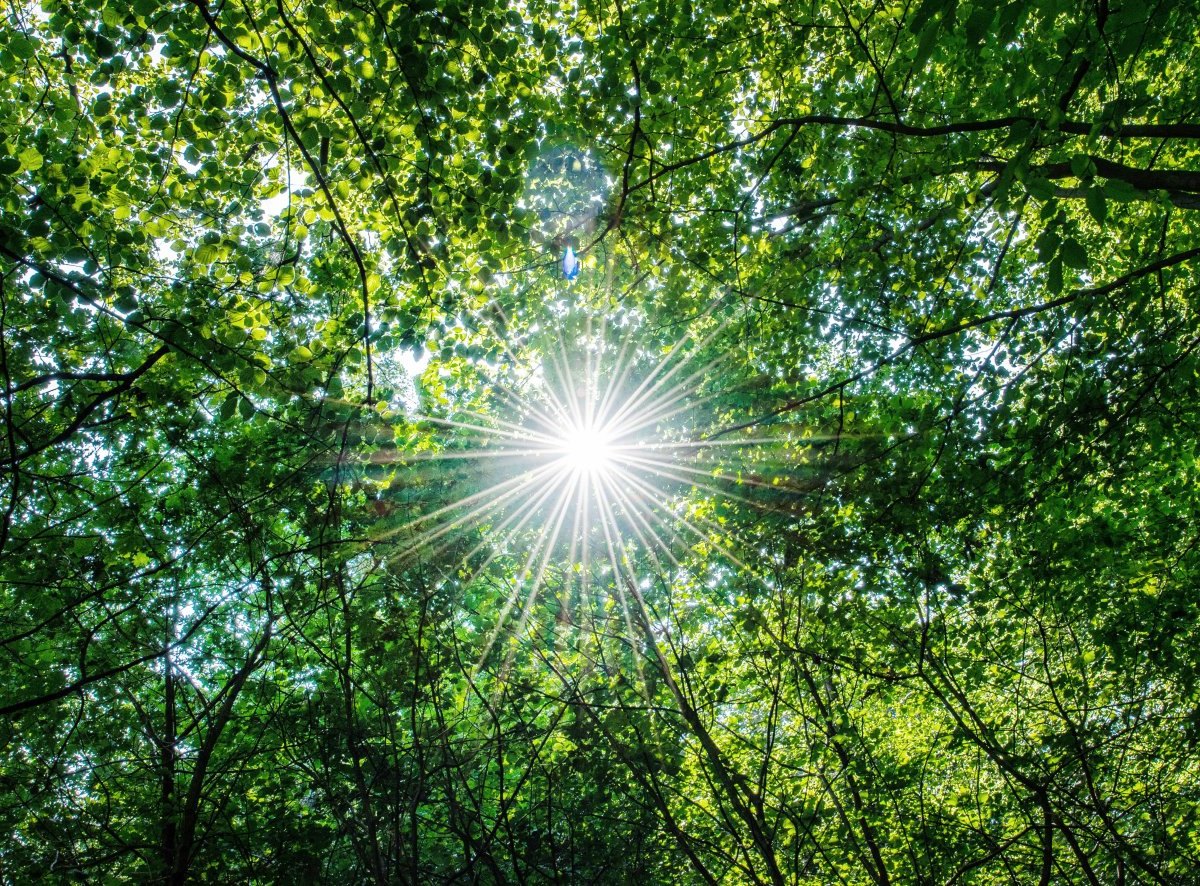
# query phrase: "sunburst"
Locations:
[[591, 461], [588, 450]]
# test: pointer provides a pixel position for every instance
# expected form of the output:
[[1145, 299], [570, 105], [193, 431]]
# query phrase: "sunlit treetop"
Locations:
[[599, 442]]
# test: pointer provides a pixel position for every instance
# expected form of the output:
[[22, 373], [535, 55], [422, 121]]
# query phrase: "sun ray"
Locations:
[[567, 379], [461, 455], [510, 526], [488, 495], [692, 483], [704, 444], [521, 430], [623, 366], [663, 411], [683, 521], [545, 540], [651, 384], [612, 479], [659, 465], [635, 509], [654, 399], [589, 375], [549, 410], [539, 576], [524, 434], [617, 562], [511, 601]]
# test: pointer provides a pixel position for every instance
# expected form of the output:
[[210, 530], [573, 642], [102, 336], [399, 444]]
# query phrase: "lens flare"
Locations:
[[588, 450], [592, 468]]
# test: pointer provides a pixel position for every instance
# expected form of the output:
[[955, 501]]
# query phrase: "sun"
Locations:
[[588, 450], [585, 458], [590, 469]]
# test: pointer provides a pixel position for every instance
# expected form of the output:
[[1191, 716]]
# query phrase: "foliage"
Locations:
[[255, 257]]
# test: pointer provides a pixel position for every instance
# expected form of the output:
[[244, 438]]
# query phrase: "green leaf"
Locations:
[[1047, 245], [104, 46], [1073, 254], [1121, 191], [1096, 204], [867, 485], [1040, 187], [126, 300], [979, 23], [22, 47], [31, 158], [1082, 166], [927, 10], [1054, 275]]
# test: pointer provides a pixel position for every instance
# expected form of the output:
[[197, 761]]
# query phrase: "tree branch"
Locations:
[[974, 323]]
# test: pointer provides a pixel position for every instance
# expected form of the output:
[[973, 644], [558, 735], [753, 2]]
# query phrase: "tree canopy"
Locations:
[[834, 519]]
